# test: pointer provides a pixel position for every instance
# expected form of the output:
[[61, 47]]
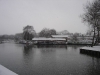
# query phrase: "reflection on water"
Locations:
[[27, 51], [52, 46], [48, 60]]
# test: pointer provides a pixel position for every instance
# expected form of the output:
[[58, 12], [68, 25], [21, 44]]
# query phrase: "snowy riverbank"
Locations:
[[96, 48], [5, 71]]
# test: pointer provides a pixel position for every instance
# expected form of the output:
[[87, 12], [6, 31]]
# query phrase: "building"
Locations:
[[43, 40]]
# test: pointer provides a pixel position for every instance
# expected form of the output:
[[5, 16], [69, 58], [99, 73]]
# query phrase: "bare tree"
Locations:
[[64, 32], [92, 17], [47, 32], [74, 37], [52, 31], [18, 36], [28, 32]]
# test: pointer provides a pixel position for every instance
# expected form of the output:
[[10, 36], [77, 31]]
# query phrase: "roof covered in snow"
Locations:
[[62, 39], [94, 48]]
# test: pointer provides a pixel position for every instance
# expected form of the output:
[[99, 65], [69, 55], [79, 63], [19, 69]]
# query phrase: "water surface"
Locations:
[[48, 60]]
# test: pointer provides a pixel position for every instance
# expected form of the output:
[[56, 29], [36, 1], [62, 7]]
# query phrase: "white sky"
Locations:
[[57, 14]]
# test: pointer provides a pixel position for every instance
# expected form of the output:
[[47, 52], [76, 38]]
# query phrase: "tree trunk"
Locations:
[[97, 41], [93, 37], [98, 36]]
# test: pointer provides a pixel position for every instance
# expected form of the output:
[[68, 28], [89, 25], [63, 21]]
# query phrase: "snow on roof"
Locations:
[[49, 39], [60, 36], [5, 71]]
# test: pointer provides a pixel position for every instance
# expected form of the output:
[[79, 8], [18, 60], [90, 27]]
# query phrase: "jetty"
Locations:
[[94, 51], [5, 71]]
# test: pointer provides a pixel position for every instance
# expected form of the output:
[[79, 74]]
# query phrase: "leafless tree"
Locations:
[[28, 32], [92, 17], [47, 32]]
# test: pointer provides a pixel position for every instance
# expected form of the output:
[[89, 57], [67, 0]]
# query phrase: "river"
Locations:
[[48, 60]]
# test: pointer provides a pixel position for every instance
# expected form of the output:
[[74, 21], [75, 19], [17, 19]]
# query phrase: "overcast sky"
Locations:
[[56, 14]]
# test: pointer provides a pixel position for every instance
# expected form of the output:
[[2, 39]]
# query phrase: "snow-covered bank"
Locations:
[[94, 48], [5, 71]]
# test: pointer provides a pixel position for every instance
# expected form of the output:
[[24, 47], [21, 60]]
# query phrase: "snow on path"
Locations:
[[5, 71]]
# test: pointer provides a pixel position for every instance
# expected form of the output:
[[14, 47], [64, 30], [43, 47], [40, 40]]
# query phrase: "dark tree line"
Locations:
[[29, 33], [6, 37]]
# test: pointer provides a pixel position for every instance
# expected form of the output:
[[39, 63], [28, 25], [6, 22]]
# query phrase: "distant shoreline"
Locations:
[[62, 44]]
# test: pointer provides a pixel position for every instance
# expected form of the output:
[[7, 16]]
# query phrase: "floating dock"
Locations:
[[94, 51], [5, 71]]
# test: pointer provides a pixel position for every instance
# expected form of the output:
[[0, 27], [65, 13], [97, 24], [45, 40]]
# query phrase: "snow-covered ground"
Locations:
[[94, 48], [5, 71]]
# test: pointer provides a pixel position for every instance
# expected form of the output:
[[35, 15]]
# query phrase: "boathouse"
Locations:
[[43, 40]]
